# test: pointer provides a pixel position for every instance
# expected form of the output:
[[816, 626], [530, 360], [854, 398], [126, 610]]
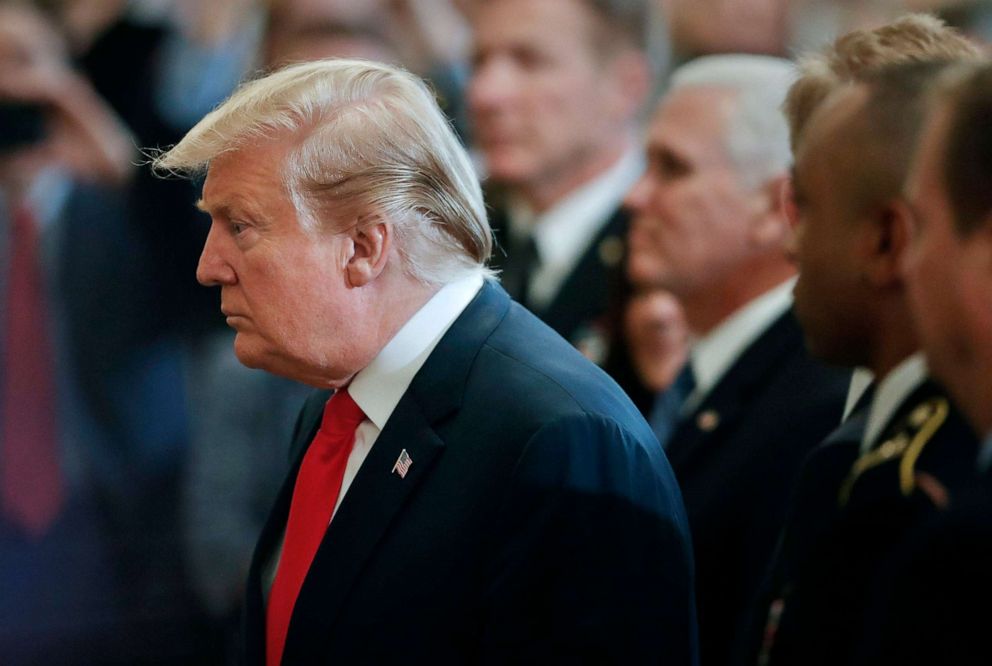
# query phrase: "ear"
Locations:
[[372, 241], [773, 223], [887, 242]]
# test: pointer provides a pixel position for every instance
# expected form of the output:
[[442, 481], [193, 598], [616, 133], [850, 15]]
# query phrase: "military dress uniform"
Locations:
[[851, 511]]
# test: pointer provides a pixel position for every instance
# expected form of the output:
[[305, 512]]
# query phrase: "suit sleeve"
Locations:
[[593, 563]]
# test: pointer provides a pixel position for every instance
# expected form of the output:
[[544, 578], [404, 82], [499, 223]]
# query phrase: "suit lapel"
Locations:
[[378, 493], [585, 293], [698, 432], [375, 497], [275, 525]]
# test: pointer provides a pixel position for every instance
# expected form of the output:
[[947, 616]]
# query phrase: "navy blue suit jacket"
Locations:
[[538, 523], [736, 459]]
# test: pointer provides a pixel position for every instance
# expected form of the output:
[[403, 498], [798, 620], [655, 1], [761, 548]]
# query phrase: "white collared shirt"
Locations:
[[714, 353], [892, 391], [563, 233], [378, 388], [861, 379], [985, 454]]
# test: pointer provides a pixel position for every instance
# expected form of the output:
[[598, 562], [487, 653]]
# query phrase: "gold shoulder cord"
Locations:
[[927, 418], [930, 424]]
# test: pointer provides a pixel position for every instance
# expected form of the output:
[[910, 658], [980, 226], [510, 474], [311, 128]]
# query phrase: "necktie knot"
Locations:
[[342, 415]]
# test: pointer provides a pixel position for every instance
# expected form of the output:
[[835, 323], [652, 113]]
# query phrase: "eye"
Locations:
[[237, 228]]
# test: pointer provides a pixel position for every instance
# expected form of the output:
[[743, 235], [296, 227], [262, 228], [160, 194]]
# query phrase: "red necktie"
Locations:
[[317, 487], [30, 475]]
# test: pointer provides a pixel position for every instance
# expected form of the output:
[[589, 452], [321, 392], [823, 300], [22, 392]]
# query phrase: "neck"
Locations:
[[711, 304], [895, 337], [972, 392], [543, 194]]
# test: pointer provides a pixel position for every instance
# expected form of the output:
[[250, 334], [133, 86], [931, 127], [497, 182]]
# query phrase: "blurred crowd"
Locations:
[[720, 202]]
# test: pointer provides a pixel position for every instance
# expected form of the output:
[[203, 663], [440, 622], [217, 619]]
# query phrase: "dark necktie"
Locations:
[[522, 260], [665, 413], [314, 496], [31, 478]]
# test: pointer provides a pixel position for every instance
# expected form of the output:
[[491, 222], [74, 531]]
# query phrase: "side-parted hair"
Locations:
[[368, 140], [854, 56], [967, 159], [756, 136]]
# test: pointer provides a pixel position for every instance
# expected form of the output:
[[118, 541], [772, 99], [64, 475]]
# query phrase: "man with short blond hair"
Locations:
[[903, 450], [855, 55]]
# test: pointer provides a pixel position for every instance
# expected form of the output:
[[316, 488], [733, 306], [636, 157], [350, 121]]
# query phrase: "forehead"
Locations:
[[692, 120], [828, 144], [547, 23], [251, 173]]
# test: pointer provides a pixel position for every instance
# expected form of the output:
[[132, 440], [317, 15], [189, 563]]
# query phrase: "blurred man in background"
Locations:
[[708, 226], [555, 96], [925, 614], [904, 447]]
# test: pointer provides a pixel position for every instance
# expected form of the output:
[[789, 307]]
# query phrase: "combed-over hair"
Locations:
[[369, 139]]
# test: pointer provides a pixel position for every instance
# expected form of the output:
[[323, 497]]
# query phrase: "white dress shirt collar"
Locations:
[[861, 379], [377, 389], [563, 232], [714, 353], [985, 454], [892, 391]]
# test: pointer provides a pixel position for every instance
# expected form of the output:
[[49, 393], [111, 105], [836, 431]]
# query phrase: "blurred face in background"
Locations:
[[658, 337], [690, 208], [830, 234], [543, 100], [306, 30], [947, 273]]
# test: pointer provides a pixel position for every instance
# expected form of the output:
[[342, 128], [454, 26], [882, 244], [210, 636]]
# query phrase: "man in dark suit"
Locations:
[[906, 450], [709, 227], [491, 496], [555, 96]]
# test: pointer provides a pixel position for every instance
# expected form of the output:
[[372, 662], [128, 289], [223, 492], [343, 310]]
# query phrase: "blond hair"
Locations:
[[367, 139], [855, 56]]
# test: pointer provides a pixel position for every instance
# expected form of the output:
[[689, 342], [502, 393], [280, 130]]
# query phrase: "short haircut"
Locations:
[[756, 136], [368, 138], [967, 159], [887, 126], [622, 23], [854, 56]]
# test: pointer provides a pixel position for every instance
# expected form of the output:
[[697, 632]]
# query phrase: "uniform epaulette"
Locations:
[[914, 432]]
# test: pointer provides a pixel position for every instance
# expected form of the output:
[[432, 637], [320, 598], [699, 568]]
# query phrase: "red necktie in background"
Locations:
[[314, 496], [30, 475]]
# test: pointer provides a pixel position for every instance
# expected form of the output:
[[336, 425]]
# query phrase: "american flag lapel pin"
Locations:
[[403, 463]]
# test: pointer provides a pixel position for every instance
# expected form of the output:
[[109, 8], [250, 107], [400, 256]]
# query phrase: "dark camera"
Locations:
[[21, 125]]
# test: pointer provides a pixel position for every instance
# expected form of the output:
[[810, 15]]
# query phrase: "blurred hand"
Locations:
[[82, 132]]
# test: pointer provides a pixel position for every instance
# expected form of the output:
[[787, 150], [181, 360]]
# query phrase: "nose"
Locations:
[[213, 269], [491, 84], [638, 194]]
